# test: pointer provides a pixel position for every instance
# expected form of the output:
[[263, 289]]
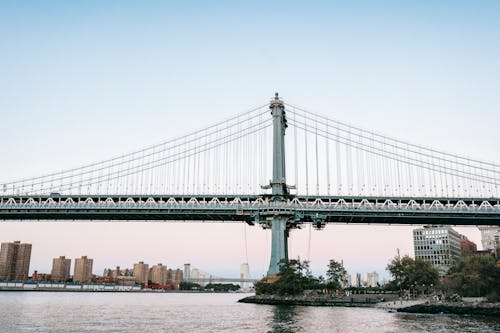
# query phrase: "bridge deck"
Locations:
[[254, 208]]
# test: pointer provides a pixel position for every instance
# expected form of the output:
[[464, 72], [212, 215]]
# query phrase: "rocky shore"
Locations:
[[316, 300], [463, 308], [387, 302]]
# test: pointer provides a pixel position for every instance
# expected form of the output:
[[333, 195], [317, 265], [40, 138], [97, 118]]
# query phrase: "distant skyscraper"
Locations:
[[488, 236], [61, 268], [159, 274], [356, 280], [371, 279], [187, 272], [244, 275], [83, 270], [439, 246], [15, 261], [141, 272], [198, 277], [174, 277]]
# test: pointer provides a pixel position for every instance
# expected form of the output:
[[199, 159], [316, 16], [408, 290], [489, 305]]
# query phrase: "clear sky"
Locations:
[[83, 81]]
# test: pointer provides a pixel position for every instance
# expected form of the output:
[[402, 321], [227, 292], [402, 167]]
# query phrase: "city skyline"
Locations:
[[212, 266], [73, 85]]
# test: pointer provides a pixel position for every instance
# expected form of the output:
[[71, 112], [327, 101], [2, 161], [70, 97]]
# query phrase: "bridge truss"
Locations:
[[254, 209]]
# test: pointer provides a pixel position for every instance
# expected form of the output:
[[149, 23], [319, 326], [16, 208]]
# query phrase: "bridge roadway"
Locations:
[[252, 209]]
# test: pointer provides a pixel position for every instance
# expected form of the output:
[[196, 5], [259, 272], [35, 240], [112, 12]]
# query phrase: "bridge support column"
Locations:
[[279, 245], [279, 228]]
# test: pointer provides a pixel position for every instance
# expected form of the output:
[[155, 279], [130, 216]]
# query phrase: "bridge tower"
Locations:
[[279, 221]]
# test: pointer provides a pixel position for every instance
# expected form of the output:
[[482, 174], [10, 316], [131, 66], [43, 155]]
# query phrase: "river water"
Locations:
[[181, 312]]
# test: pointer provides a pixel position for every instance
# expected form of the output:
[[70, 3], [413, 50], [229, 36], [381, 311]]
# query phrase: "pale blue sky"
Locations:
[[82, 81]]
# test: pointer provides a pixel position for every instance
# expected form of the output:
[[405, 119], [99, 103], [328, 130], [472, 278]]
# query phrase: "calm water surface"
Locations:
[[172, 312]]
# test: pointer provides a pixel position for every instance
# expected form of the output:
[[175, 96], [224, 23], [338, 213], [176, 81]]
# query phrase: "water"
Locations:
[[174, 312]]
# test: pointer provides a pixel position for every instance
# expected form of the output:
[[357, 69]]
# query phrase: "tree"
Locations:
[[400, 270], [335, 275], [474, 276], [189, 286], [222, 287], [409, 273], [293, 278], [424, 274], [292, 275]]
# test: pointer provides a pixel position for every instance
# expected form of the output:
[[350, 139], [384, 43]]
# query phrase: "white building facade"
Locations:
[[439, 246]]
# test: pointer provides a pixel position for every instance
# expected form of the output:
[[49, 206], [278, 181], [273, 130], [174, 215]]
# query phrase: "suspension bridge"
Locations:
[[236, 171]]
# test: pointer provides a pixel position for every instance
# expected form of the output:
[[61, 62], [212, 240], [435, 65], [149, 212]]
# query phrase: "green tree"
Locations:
[[189, 286], [409, 273], [222, 287], [293, 278], [474, 276], [424, 274], [335, 275]]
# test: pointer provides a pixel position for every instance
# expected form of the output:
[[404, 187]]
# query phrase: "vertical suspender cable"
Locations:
[[246, 242], [317, 161], [327, 147], [295, 152], [307, 158], [309, 243], [339, 168]]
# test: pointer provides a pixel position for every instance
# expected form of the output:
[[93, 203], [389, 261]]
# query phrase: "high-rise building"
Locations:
[[467, 247], [439, 246], [15, 261], [141, 272], [497, 245], [117, 272], [244, 275], [187, 272], [198, 276], [174, 277], [371, 279], [158, 274], [488, 234], [60, 269], [356, 280], [83, 270]]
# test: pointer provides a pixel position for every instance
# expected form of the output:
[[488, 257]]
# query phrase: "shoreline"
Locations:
[[358, 301], [143, 291], [418, 306], [457, 308]]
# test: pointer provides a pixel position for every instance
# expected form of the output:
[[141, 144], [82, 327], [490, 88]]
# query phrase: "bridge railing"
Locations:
[[255, 204]]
